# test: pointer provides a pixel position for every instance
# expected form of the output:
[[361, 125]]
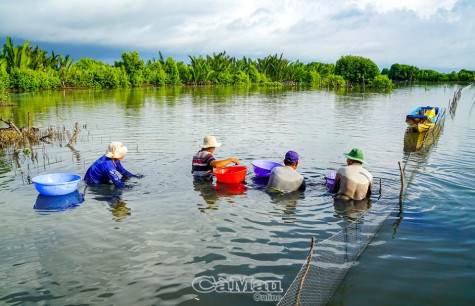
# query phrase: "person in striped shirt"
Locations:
[[204, 161]]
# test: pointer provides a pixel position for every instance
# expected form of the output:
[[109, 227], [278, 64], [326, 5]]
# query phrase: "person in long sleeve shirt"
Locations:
[[107, 167], [353, 182]]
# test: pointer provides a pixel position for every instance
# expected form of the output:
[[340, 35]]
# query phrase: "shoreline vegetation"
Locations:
[[28, 68]]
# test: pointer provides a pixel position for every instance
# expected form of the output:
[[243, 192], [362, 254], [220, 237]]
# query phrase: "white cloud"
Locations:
[[424, 33], [422, 8]]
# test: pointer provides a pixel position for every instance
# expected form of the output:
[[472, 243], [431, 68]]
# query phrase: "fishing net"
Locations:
[[329, 260]]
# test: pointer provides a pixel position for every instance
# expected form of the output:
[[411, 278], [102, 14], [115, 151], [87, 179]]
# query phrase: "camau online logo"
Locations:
[[236, 284]]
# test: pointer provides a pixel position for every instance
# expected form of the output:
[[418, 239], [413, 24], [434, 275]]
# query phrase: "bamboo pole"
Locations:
[[380, 187], [403, 184], [309, 260], [29, 121]]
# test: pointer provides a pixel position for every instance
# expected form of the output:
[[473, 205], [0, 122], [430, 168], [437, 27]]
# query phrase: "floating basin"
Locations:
[[234, 174], [263, 168], [56, 184], [330, 178]]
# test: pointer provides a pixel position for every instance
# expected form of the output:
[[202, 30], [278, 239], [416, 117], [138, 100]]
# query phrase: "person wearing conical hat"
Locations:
[[353, 182], [107, 167], [204, 161]]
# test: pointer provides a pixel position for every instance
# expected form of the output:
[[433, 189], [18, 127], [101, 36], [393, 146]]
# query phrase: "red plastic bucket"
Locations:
[[234, 174]]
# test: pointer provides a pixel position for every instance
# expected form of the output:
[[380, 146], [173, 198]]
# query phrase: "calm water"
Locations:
[[146, 244]]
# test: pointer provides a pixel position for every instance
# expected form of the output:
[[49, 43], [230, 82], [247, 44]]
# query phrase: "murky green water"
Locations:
[[146, 244]]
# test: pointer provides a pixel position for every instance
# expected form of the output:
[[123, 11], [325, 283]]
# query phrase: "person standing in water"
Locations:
[[204, 161], [353, 182], [286, 178]]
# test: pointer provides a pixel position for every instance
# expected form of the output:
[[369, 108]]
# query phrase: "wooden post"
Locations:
[[29, 121], [380, 187], [309, 260], [76, 132], [403, 184]]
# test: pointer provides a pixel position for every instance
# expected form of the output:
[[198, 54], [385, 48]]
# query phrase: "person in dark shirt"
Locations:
[[105, 169]]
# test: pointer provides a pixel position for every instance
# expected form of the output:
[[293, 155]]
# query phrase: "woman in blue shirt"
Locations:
[[107, 166]]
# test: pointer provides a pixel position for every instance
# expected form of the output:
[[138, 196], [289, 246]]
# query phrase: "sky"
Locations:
[[429, 34]]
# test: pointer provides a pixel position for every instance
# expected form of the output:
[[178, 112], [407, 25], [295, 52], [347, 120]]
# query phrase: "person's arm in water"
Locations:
[[368, 193], [224, 162], [336, 184], [122, 170], [303, 186], [112, 174]]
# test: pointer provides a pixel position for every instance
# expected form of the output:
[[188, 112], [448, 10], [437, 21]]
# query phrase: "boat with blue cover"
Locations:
[[423, 118]]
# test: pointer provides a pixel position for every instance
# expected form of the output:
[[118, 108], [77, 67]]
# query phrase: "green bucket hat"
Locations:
[[356, 154]]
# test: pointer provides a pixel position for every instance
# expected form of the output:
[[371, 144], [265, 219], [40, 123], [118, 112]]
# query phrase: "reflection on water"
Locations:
[[58, 203], [112, 195], [76, 154], [224, 189], [207, 192], [211, 193], [413, 140], [287, 202], [259, 235], [118, 208], [351, 210]]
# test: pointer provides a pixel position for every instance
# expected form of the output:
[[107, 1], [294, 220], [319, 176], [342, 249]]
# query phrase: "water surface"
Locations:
[[147, 243]]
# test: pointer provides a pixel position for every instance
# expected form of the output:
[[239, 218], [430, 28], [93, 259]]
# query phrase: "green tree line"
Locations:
[[28, 68]]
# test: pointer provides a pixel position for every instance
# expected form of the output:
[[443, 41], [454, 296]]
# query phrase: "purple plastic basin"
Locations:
[[330, 177], [263, 168]]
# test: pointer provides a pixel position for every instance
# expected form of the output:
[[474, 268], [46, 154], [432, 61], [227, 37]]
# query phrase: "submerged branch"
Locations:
[[11, 125], [76, 132]]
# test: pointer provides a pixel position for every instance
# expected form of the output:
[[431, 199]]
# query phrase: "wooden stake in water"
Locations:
[[403, 184], [309, 260], [76, 132]]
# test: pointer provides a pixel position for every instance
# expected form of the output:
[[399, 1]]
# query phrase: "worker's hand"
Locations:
[[139, 176], [236, 161]]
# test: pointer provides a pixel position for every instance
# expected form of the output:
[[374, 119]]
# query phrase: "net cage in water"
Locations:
[[329, 260]]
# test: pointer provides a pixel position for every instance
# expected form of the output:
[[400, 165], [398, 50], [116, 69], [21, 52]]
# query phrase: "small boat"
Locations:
[[423, 118]]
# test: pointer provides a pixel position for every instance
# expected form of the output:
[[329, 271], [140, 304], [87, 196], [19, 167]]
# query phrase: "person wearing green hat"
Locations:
[[353, 182]]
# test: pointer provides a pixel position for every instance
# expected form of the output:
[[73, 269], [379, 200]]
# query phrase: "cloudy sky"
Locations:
[[429, 34]]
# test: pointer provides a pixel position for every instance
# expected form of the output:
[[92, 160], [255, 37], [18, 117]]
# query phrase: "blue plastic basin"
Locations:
[[263, 168], [56, 184]]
